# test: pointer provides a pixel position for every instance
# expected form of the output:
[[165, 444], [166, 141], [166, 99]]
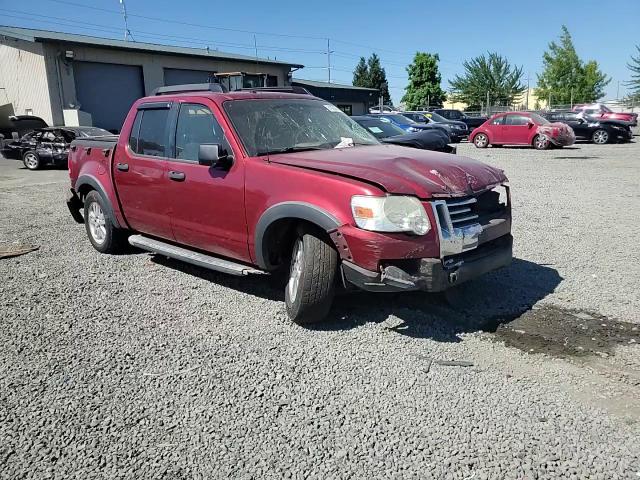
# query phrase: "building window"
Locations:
[[346, 109]]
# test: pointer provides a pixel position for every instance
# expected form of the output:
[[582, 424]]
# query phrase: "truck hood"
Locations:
[[401, 170]]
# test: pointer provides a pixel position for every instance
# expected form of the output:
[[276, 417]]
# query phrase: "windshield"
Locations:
[[289, 125], [438, 118], [381, 129], [401, 119], [538, 119]]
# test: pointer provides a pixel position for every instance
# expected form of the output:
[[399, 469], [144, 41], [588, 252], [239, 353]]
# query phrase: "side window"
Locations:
[[453, 115], [152, 134], [133, 136], [497, 121], [516, 120], [48, 136], [196, 125]]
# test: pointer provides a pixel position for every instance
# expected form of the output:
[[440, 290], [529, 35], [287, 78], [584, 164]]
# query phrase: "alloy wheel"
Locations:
[[97, 225], [600, 137], [31, 161]]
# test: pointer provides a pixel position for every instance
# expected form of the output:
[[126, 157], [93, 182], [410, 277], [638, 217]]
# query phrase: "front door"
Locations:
[[516, 129], [139, 170], [206, 203]]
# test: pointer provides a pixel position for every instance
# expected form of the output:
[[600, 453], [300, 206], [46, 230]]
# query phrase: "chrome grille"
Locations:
[[462, 210]]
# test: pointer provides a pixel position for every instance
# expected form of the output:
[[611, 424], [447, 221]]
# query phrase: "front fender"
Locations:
[[296, 210]]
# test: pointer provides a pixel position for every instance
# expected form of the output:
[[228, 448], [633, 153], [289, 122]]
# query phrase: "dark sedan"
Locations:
[[387, 132], [596, 130], [456, 130], [48, 146]]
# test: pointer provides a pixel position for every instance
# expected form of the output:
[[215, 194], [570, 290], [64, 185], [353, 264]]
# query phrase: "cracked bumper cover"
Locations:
[[432, 274]]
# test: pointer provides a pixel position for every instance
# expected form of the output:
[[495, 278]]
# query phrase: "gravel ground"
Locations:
[[136, 367]]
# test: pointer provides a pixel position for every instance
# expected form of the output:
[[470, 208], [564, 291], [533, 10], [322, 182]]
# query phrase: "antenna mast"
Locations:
[[127, 32]]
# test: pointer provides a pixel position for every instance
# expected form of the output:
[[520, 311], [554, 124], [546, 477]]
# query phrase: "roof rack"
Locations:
[[190, 87], [294, 89]]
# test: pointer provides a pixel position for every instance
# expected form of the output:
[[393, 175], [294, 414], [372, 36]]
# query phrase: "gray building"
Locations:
[[351, 100], [70, 79]]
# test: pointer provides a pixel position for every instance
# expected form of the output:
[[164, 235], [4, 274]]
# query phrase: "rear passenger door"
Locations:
[[139, 171], [206, 203]]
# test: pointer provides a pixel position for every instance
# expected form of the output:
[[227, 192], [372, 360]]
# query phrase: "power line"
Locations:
[[141, 33]]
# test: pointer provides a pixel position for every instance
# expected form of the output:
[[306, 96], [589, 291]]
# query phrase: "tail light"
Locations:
[[555, 132]]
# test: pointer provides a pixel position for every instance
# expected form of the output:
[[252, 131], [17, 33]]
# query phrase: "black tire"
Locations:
[[31, 160], [109, 239], [540, 142], [309, 299], [481, 140], [600, 137]]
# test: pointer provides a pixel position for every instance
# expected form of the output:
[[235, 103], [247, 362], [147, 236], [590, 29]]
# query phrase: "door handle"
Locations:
[[123, 167], [176, 176]]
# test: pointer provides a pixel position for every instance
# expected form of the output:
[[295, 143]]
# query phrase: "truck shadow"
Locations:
[[484, 304], [480, 305]]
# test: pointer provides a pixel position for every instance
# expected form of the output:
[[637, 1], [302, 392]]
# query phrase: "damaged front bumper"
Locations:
[[432, 274]]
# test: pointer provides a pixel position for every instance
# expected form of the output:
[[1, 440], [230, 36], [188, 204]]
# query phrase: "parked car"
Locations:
[[452, 114], [386, 132], [255, 182], [603, 112], [48, 145], [16, 126], [456, 130], [596, 130], [409, 125], [522, 128]]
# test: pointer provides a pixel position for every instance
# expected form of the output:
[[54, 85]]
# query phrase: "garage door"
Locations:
[[107, 91], [179, 76]]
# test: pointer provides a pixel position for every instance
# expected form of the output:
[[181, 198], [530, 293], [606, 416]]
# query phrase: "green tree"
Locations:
[[566, 78], [424, 82], [361, 74], [378, 77], [370, 74], [489, 76], [634, 83]]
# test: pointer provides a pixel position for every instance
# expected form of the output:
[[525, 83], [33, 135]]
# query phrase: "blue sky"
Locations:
[[297, 31]]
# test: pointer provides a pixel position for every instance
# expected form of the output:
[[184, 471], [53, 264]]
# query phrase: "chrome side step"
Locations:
[[192, 257]]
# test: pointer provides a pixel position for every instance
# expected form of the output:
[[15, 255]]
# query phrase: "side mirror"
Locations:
[[530, 124], [212, 154]]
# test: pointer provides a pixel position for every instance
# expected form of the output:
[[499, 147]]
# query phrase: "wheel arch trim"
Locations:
[[91, 181], [293, 210]]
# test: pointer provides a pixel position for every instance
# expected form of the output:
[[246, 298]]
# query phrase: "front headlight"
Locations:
[[413, 129], [390, 214]]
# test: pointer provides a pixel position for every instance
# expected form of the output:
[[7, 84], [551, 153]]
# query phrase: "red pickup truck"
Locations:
[[276, 180]]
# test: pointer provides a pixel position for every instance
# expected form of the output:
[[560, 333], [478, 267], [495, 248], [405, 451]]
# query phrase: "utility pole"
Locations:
[[329, 52], [526, 106], [488, 102], [127, 32], [255, 47]]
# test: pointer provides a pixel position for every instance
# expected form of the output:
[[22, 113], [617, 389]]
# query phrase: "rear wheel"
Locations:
[[99, 225], [481, 140], [311, 285], [541, 142], [31, 160], [600, 137]]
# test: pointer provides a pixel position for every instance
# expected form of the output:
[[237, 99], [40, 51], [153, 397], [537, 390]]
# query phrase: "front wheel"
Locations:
[[481, 140], [541, 142], [600, 137], [311, 286], [31, 160]]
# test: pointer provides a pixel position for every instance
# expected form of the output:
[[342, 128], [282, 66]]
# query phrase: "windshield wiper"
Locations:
[[289, 150]]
